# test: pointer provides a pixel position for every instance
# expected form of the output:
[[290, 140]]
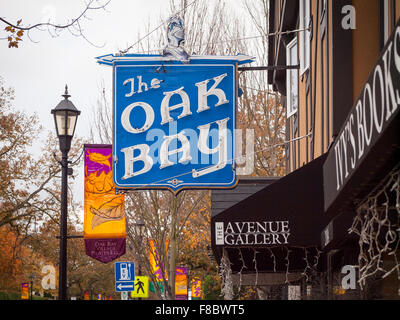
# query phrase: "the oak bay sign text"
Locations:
[[174, 122]]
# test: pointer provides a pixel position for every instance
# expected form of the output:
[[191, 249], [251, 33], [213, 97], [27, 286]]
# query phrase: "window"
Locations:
[[385, 21], [292, 79], [305, 36], [323, 9]]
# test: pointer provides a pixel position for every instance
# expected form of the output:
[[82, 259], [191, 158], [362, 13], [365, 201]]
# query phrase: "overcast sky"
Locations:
[[39, 71]]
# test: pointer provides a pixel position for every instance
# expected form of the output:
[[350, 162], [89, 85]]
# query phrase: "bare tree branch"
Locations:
[[16, 30]]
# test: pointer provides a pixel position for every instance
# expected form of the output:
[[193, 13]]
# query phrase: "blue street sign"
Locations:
[[174, 123], [124, 276]]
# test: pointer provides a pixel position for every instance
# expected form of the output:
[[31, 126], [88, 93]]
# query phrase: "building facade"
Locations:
[[336, 52], [336, 63], [336, 100]]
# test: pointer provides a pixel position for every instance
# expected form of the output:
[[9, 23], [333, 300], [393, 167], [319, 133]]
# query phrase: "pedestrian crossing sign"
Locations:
[[141, 287]]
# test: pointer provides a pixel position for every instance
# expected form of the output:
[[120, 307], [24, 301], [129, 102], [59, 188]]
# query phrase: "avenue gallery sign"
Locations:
[[174, 122], [374, 110], [252, 233]]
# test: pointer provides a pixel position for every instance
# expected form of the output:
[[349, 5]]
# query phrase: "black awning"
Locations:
[[283, 219], [222, 199]]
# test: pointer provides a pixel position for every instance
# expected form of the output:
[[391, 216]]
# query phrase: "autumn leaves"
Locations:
[[15, 35]]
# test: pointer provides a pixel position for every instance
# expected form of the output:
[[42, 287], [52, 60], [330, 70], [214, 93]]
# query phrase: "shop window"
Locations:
[[305, 36], [323, 9], [292, 79], [385, 20]]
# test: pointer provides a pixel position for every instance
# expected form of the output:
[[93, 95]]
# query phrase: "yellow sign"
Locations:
[[141, 287]]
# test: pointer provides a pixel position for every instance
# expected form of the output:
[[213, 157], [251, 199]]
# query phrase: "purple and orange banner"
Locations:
[[181, 290], [104, 219], [86, 295], [155, 260], [25, 291], [196, 288]]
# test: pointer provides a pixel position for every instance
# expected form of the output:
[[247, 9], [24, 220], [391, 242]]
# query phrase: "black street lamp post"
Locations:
[[31, 277], [139, 231], [65, 117]]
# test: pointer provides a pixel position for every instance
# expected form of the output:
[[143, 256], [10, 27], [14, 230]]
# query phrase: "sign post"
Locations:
[[141, 287], [124, 276]]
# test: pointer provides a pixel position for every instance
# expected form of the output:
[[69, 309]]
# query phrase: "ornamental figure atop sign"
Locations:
[[176, 38]]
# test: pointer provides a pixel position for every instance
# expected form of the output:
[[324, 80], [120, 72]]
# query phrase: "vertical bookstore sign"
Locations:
[[173, 122], [372, 115]]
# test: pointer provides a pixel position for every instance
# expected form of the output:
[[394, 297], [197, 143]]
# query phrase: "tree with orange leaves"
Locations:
[[28, 188], [10, 265]]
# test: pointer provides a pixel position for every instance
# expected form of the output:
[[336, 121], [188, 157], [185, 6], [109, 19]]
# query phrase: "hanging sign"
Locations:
[[104, 219], [196, 288], [174, 122], [368, 142], [181, 290], [25, 291], [157, 261]]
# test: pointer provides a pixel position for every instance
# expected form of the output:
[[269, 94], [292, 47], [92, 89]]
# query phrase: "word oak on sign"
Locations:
[[174, 122]]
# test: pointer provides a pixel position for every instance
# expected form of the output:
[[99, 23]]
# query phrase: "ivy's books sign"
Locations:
[[174, 122]]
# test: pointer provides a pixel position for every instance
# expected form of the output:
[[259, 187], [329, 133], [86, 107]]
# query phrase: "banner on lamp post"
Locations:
[[196, 289], [104, 213], [181, 290], [157, 261], [25, 291]]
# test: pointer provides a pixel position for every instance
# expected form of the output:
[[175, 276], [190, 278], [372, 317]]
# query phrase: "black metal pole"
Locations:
[[62, 281], [262, 68]]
